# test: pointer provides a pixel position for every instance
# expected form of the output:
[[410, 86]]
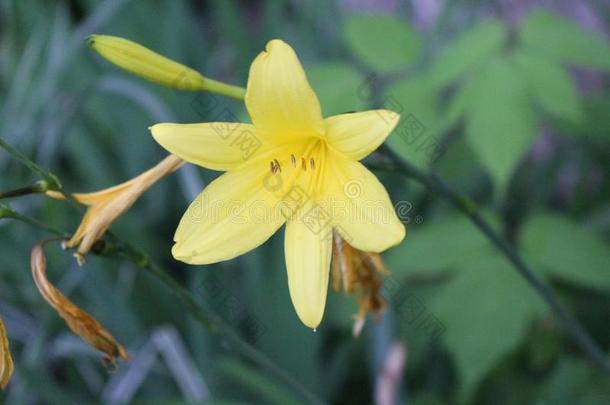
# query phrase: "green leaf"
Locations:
[[486, 310], [575, 382], [475, 46], [549, 84], [384, 43], [456, 237], [339, 86], [415, 138], [461, 101], [501, 123], [566, 250], [562, 39], [595, 124]]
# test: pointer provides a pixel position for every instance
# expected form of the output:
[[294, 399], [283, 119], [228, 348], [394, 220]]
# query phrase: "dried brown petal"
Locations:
[[360, 273], [6, 360], [81, 323], [107, 205]]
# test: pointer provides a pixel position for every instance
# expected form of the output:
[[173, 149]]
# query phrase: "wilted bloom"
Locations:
[[360, 273], [304, 172], [107, 205], [81, 323], [150, 65], [6, 360]]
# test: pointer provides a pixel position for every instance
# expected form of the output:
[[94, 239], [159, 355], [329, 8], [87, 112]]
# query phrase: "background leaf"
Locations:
[[474, 47], [415, 138], [498, 306], [383, 42], [567, 250], [564, 40], [501, 123], [339, 86], [549, 84]]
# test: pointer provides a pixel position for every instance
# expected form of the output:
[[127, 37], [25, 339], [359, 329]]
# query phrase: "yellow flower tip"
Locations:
[[391, 116], [311, 319], [56, 195], [276, 43]]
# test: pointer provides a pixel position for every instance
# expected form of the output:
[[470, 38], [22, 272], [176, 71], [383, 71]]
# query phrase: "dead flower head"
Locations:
[[359, 273], [6, 360], [107, 205], [81, 323]]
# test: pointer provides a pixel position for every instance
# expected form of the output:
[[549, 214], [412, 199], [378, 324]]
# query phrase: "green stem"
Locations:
[[225, 89], [36, 188], [7, 213], [52, 181], [437, 185]]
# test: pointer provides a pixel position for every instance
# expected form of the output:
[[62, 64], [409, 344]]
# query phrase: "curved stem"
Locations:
[[437, 185]]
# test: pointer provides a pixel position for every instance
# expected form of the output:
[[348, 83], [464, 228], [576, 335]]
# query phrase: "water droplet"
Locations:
[[314, 330]]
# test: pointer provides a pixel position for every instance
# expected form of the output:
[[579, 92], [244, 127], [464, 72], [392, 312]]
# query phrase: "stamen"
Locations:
[[293, 160], [277, 165], [312, 164], [272, 167], [303, 164]]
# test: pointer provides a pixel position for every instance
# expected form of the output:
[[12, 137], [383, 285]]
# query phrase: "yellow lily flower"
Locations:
[[107, 205], [304, 172]]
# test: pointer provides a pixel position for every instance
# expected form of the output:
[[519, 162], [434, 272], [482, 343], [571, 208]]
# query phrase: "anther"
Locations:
[[293, 160], [277, 165], [312, 164], [303, 164]]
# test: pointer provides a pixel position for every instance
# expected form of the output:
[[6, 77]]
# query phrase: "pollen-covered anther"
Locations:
[[304, 164], [293, 160], [275, 166], [312, 163]]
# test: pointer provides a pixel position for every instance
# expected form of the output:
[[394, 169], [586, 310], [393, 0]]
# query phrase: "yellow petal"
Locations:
[[145, 63], [105, 206], [279, 98], [360, 206], [215, 145], [6, 360], [358, 134], [233, 215], [308, 253]]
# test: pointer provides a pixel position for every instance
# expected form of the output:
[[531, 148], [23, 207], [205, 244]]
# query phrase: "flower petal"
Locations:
[[358, 134], [233, 215], [360, 207], [308, 255], [215, 145], [279, 98]]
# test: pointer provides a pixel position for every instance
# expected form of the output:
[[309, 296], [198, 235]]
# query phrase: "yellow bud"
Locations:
[[145, 63]]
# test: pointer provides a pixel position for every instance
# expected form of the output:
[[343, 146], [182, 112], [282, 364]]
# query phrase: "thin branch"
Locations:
[[52, 181], [437, 185]]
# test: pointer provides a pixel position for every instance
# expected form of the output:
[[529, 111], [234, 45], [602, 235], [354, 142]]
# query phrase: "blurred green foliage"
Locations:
[[496, 108]]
